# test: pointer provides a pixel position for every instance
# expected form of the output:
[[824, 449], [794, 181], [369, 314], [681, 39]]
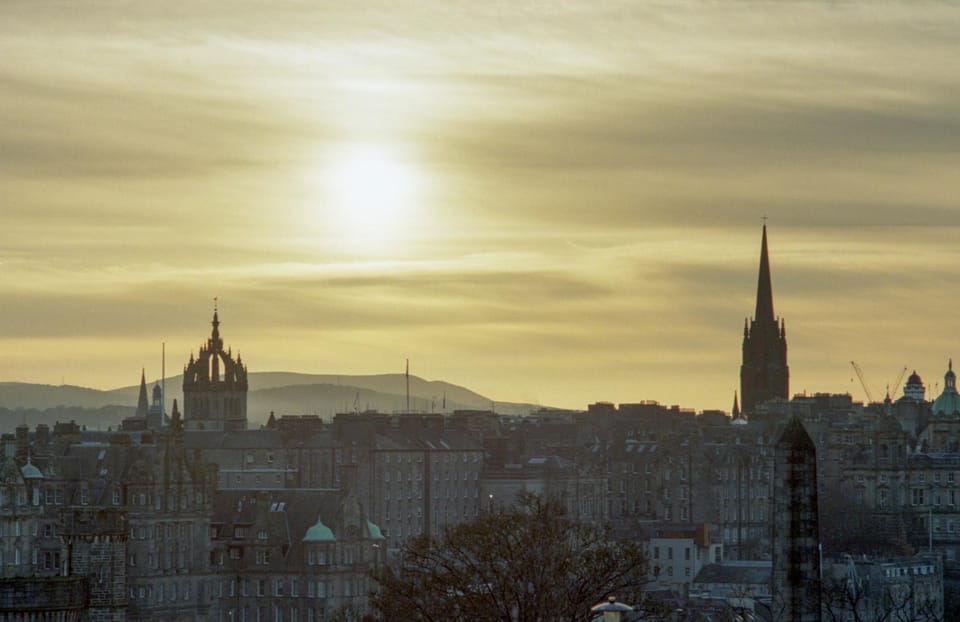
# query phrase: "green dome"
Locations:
[[30, 472], [946, 404], [949, 401], [319, 533], [373, 532]]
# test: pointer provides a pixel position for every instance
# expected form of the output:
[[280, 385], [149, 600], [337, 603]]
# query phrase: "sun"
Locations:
[[371, 195]]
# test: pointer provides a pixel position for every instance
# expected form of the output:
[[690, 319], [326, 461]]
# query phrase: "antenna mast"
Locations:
[[163, 381]]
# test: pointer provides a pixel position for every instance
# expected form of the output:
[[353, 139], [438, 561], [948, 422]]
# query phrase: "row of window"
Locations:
[[183, 532], [316, 588], [169, 562], [259, 614], [920, 478], [161, 592]]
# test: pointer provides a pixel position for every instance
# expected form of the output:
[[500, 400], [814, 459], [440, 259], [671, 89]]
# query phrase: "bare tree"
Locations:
[[851, 599], [525, 564]]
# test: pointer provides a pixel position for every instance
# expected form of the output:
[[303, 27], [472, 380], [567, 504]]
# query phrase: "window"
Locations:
[[916, 497], [116, 496]]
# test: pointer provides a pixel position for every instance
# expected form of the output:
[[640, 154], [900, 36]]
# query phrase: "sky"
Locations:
[[554, 202]]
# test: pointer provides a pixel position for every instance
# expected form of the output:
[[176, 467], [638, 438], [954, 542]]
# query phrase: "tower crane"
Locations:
[[896, 385], [863, 383], [866, 389]]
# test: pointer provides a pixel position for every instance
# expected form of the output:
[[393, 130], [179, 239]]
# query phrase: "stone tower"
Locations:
[[764, 373], [215, 387], [796, 527]]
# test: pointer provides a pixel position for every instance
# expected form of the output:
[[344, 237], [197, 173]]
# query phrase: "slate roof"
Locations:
[[736, 573]]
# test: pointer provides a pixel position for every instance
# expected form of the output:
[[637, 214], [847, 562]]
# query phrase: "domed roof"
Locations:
[[29, 471], [914, 378], [373, 532], [319, 533], [948, 403]]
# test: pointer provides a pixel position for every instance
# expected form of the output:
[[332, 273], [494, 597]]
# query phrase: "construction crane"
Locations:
[[896, 385], [863, 383], [866, 389]]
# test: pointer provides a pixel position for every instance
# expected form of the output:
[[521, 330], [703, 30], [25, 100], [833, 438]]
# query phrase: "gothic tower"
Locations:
[[796, 527], [764, 374], [215, 387]]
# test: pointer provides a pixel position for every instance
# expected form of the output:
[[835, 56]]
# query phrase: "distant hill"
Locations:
[[283, 393]]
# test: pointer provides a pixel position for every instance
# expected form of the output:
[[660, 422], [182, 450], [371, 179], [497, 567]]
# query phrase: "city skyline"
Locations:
[[567, 206]]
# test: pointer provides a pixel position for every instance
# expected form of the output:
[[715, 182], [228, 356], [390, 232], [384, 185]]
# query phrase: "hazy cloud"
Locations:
[[590, 183]]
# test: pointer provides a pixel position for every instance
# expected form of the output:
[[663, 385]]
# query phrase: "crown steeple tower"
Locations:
[[215, 387], [764, 374]]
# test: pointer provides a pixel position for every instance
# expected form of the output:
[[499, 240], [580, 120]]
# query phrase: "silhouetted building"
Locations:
[[215, 387], [796, 527], [764, 374]]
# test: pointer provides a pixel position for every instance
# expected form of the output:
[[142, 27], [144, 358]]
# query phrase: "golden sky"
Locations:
[[557, 202]]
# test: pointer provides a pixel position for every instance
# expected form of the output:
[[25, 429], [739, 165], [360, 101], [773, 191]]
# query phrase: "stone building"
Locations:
[[677, 552], [418, 472], [294, 556]]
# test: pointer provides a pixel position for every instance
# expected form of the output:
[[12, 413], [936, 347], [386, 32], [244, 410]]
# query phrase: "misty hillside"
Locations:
[[283, 393]]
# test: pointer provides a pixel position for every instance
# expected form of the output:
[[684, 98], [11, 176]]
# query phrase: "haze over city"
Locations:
[[545, 202]]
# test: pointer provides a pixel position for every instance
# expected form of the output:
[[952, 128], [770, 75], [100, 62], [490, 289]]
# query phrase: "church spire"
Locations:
[[764, 374], [736, 406], [142, 405], [764, 309]]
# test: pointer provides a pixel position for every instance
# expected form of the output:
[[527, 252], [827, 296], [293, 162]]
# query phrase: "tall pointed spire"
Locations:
[[142, 404], [764, 309], [736, 406], [764, 374]]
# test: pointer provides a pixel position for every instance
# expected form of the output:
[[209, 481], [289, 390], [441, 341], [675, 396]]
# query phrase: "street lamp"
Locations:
[[612, 610]]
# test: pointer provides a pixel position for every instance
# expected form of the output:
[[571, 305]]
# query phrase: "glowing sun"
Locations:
[[371, 195]]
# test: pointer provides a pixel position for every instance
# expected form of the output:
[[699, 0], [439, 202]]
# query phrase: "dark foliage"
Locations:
[[531, 563]]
